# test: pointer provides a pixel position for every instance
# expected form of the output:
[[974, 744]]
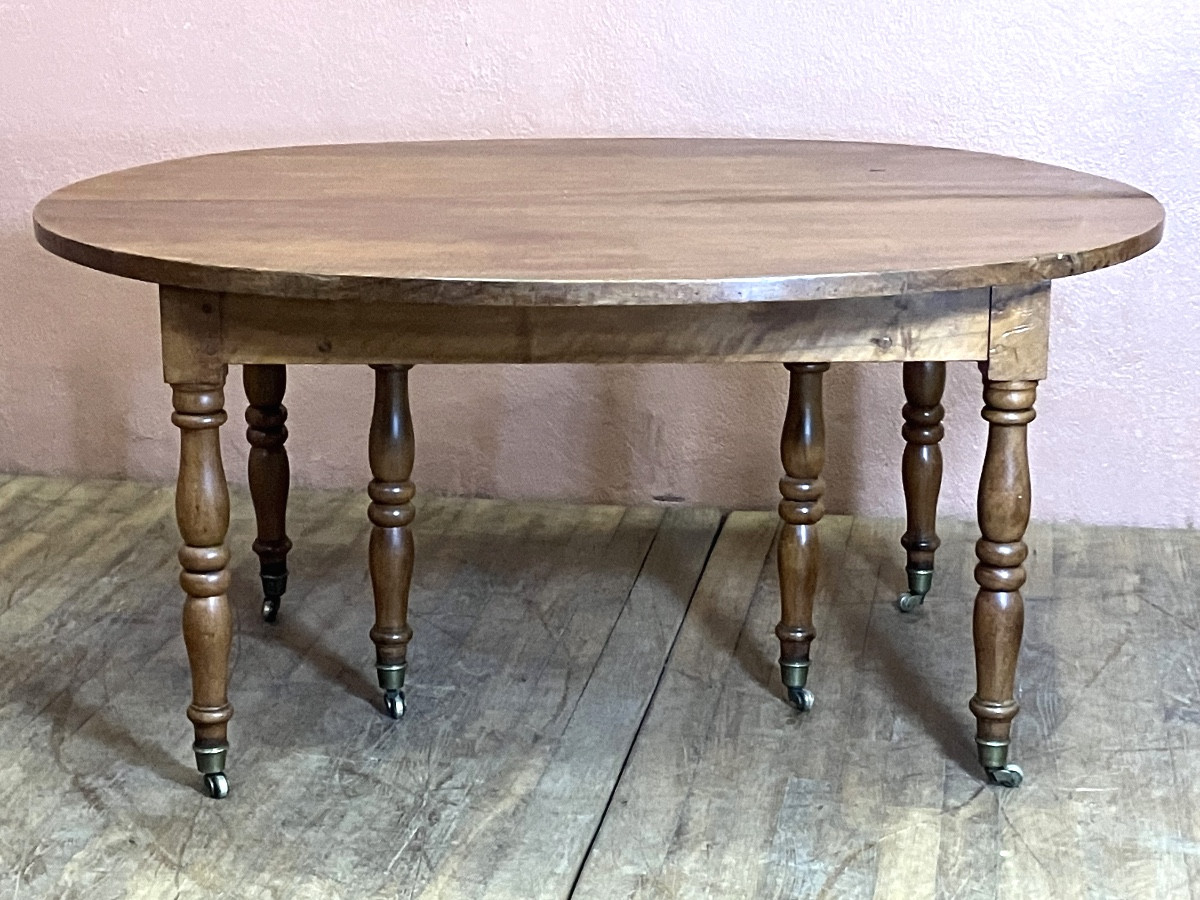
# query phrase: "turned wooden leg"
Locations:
[[802, 450], [922, 474], [202, 511], [1004, 497], [391, 514], [269, 476]]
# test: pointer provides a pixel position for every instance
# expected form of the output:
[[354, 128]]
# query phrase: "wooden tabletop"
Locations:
[[597, 221]]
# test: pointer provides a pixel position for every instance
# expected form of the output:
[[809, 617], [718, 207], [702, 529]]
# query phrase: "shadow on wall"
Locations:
[[458, 413], [696, 434]]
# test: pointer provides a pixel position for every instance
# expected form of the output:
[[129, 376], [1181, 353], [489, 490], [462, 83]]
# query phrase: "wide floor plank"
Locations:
[[875, 792], [540, 632], [594, 711]]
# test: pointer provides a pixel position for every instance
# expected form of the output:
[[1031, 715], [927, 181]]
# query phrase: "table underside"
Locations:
[[631, 251], [1004, 328]]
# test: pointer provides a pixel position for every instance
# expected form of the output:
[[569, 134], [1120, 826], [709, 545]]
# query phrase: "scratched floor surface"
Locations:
[[593, 712]]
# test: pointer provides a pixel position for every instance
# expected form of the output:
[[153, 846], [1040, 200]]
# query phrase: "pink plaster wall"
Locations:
[[1111, 88]]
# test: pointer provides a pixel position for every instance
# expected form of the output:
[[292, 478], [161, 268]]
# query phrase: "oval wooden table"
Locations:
[[799, 252]]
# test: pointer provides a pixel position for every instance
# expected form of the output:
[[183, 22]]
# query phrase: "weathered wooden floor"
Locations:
[[594, 711]]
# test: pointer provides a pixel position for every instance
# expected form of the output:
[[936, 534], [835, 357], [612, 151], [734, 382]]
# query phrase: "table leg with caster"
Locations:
[[391, 513], [802, 449], [921, 470], [202, 511], [1004, 500], [269, 477]]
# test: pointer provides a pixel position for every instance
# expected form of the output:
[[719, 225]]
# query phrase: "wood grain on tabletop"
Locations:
[[583, 222]]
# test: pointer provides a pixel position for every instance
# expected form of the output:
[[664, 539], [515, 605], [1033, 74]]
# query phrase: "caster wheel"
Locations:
[[908, 601], [270, 610], [801, 698], [394, 701], [217, 785], [1010, 776]]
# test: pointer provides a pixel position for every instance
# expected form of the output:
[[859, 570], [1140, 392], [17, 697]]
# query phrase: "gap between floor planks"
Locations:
[[552, 747]]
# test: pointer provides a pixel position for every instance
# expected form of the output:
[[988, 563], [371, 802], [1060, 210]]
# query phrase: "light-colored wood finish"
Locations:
[[192, 344], [1019, 342], [587, 222], [490, 787]]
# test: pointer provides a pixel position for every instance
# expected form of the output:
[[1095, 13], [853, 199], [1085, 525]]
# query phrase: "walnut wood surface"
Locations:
[[1004, 503], [584, 222], [202, 513], [940, 326], [1019, 339], [921, 466], [391, 512], [268, 471], [460, 252], [802, 450]]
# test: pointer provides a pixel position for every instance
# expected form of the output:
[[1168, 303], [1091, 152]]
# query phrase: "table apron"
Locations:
[[240, 328]]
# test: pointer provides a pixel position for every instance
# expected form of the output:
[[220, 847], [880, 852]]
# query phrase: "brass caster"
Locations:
[[1009, 776], [801, 698], [217, 785], [794, 674], [919, 582], [394, 701], [274, 583]]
